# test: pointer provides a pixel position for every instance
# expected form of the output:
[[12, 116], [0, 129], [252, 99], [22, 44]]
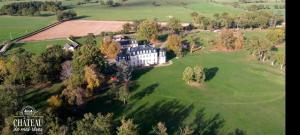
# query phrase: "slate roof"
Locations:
[[147, 48]]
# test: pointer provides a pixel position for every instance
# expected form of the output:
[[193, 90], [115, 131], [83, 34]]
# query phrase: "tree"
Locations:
[[186, 131], [66, 70], [96, 125], [18, 67], [123, 94], [147, 30], [281, 59], [227, 39], [259, 47], [54, 101], [10, 102], [47, 65], [160, 129], [187, 75], [230, 40], [55, 128], [127, 128], [74, 95], [199, 74], [175, 25], [200, 21], [86, 56], [109, 47], [276, 36], [92, 77], [174, 44], [124, 74], [126, 28], [66, 15], [192, 42], [3, 70], [90, 40]]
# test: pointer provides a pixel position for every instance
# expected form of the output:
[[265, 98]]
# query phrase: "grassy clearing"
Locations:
[[247, 94], [36, 47], [18, 26]]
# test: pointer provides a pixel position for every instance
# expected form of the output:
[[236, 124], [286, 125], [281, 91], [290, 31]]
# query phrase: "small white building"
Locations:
[[70, 47], [142, 55]]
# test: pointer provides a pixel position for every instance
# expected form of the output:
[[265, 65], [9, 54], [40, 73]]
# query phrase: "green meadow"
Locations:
[[238, 93]]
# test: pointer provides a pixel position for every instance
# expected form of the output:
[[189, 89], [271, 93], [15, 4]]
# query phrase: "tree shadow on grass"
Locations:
[[146, 91], [207, 126], [38, 98], [172, 113], [210, 73], [137, 73], [170, 55], [81, 17]]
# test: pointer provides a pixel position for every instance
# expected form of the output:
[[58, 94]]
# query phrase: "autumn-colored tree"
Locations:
[[3, 70], [126, 28], [276, 36], [74, 95], [148, 30], [186, 131], [230, 40], [127, 128], [174, 24], [259, 47], [174, 44], [160, 129], [92, 77], [86, 56], [109, 47], [54, 101], [187, 74], [239, 41]]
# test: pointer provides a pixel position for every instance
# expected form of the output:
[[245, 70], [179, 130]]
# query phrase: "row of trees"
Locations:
[[258, 19], [263, 48], [32, 8], [23, 68]]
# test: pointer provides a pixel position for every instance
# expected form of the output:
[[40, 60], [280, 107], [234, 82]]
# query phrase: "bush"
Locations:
[[66, 15]]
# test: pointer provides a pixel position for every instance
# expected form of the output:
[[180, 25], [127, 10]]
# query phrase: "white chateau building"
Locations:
[[140, 55]]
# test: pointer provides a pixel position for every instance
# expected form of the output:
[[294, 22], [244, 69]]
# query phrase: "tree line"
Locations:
[[257, 19], [32, 8]]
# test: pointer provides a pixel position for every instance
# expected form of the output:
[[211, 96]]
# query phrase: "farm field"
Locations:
[[77, 28], [228, 91], [17, 26]]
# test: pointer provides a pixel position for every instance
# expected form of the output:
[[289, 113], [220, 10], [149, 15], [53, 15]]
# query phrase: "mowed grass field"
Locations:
[[37, 47], [238, 93], [16, 26]]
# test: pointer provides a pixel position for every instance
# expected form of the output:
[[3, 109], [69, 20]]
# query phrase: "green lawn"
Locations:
[[247, 94], [238, 93], [16, 26], [37, 47]]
